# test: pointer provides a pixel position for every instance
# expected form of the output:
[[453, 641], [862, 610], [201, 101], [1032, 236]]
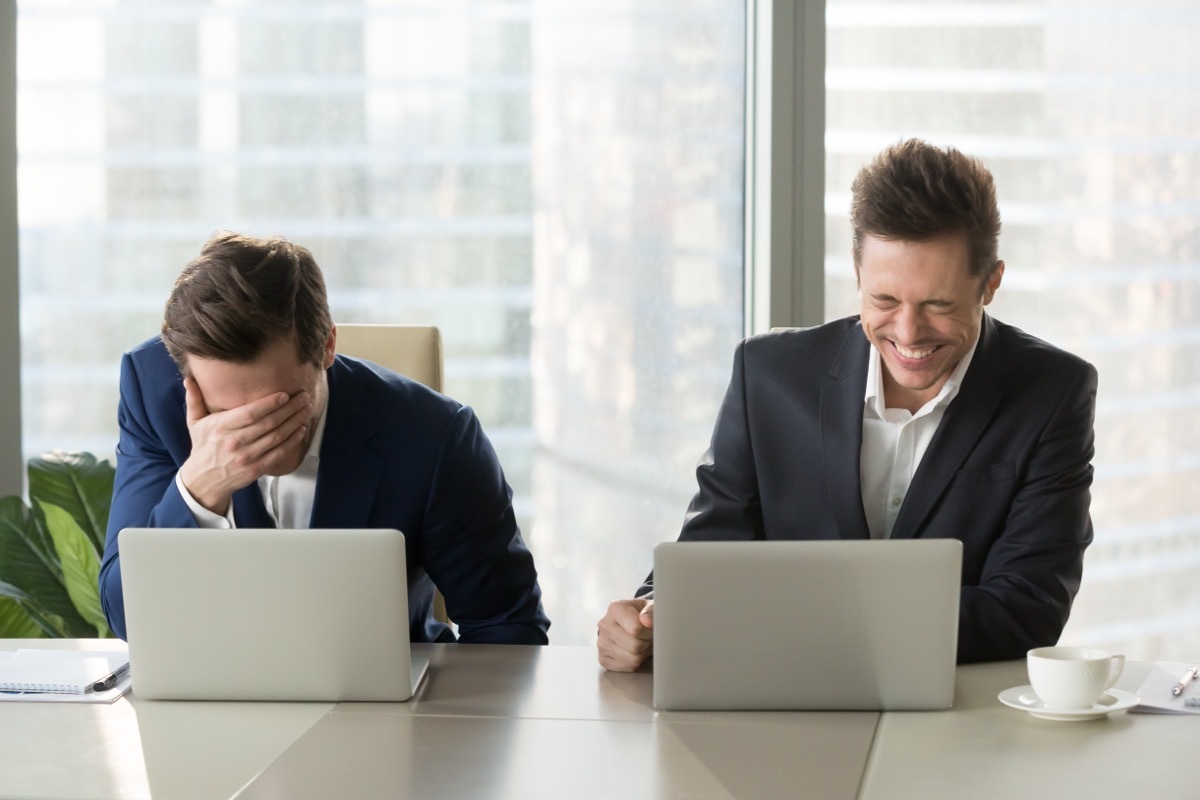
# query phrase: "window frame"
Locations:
[[12, 468], [784, 258]]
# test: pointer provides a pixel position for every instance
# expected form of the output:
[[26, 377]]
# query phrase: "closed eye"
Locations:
[[884, 301]]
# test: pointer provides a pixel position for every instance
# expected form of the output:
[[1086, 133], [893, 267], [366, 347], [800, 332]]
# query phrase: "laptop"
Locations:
[[806, 625], [252, 614]]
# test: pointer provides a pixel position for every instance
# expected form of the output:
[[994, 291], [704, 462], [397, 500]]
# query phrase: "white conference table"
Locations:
[[982, 749], [530, 722]]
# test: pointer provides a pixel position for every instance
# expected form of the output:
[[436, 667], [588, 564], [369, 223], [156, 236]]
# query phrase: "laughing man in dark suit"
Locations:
[[922, 417]]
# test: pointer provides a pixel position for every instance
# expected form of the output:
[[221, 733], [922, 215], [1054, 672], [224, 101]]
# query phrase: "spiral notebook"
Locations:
[[62, 672]]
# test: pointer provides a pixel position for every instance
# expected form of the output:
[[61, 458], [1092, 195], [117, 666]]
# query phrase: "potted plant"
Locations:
[[50, 549]]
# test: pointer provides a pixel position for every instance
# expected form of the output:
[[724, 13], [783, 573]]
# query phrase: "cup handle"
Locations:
[[1115, 667]]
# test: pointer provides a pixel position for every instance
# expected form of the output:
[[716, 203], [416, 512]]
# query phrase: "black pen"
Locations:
[[110, 680], [1187, 678]]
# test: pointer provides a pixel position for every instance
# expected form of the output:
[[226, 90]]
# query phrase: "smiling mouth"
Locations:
[[914, 355]]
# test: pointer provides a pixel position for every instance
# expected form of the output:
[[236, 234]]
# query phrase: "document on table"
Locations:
[[64, 676], [1155, 696]]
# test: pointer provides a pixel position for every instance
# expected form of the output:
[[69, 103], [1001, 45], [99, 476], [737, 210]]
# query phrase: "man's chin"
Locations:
[[288, 469], [921, 380]]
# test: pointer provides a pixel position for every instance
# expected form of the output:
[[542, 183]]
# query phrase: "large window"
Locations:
[[557, 185], [1087, 114]]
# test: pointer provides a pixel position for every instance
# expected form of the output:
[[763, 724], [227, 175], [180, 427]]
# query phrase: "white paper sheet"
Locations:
[[1154, 695]]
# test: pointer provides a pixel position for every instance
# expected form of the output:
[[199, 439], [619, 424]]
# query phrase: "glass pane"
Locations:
[[1087, 115], [557, 185]]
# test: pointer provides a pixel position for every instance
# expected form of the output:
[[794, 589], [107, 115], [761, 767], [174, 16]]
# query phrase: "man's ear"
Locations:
[[989, 291], [331, 346]]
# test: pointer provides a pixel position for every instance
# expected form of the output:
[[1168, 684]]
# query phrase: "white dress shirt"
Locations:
[[288, 498], [894, 441]]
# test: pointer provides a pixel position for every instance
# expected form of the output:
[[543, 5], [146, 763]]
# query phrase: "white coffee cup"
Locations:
[[1071, 678]]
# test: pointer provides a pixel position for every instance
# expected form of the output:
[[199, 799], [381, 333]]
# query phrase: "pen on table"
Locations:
[[110, 680], [1187, 678]]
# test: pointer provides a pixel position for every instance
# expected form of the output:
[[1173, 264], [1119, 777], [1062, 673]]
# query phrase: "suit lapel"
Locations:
[[841, 433], [350, 473], [965, 420]]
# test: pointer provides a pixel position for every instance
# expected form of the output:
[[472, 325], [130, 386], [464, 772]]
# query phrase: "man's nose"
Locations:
[[908, 324]]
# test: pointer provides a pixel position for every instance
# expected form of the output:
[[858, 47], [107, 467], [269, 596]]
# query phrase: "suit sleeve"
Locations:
[[473, 548], [144, 492], [726, 506], [1031, 573]]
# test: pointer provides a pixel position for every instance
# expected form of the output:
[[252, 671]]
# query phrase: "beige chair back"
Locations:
[[414, 351]]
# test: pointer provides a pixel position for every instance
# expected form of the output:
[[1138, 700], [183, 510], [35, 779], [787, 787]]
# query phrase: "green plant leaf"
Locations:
[[19, 528], [23, 567], [77, 483], [52, 626], [8, 590], [80, 564], [47, 624], [15, 623]]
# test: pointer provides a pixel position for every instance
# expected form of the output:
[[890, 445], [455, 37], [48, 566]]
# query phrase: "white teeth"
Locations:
[[914, 354]]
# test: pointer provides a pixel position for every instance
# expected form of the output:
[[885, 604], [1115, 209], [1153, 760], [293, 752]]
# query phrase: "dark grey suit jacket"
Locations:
[[1008, 471]]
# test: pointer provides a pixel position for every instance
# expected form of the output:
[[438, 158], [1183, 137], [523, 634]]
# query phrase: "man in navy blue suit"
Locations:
[[922, 417], [241, 414]]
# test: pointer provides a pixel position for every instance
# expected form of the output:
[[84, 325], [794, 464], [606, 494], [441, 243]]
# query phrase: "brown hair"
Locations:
[[913, 191], [240, 295]]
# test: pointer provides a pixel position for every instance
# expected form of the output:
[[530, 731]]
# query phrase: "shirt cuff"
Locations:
[[203, 517]]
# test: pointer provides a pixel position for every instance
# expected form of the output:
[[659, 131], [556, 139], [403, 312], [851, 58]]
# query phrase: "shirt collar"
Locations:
[[873, 396]]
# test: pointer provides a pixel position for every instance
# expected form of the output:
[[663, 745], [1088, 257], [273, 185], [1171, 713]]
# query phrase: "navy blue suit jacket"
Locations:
[[395, 454], [1008, 471]]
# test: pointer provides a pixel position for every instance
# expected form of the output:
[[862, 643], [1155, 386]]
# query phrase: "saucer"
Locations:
[[1023, 698]]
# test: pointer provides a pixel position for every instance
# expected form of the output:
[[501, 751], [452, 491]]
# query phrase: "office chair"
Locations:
[[414, 351]]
